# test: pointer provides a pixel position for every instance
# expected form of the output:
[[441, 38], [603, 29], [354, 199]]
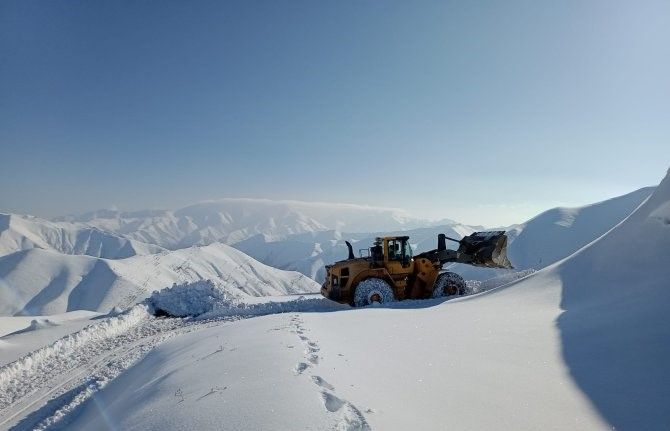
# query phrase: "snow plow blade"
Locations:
[[488, 249]]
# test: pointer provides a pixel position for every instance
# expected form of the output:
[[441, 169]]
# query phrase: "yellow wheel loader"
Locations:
[[388, 271]]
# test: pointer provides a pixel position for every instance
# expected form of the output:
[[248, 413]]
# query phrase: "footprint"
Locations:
[[301, 367], [324, 384], [331, 402], [352, 420], [303, 338], [314, 359]]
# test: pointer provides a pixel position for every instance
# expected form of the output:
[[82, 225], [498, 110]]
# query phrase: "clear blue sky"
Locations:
[[485, 112]]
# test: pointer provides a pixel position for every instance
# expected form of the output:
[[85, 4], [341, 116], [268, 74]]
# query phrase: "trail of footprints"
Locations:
[[350, 418]]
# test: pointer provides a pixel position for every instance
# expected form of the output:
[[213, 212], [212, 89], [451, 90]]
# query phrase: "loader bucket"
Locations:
[[487, 249]]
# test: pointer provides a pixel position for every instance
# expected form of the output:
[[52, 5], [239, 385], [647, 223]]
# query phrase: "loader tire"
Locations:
[[449, 284], [373, 290]]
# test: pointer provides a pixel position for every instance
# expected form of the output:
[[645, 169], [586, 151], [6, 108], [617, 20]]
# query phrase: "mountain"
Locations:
[[234, 220], [38, 282], [18, 232]]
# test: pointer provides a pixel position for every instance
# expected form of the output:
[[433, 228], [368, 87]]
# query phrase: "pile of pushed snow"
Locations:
[[187, 299], [205, 300]]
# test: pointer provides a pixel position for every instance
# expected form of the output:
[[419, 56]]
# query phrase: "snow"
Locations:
[[581, 344], [234, 220], [187, 299], [23, 334], [539, 242], [18, 232], [66, 283]]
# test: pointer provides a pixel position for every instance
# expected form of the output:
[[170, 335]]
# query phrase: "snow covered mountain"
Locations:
[[581, 344], [37, 282], [234, 220], [19, 232]]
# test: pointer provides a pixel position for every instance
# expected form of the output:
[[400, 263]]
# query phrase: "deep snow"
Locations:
[[582, 344]]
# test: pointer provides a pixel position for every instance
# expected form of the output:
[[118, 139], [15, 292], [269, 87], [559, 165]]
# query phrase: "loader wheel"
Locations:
[[373, 290], [448, 284]]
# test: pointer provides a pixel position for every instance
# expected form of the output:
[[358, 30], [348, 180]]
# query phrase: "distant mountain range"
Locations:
[[234, 220]]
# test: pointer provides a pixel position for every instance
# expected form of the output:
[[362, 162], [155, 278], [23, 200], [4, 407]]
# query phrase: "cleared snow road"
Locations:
[[39, 390]]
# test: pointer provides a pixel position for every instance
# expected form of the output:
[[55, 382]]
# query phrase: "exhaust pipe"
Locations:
[[351, 250]]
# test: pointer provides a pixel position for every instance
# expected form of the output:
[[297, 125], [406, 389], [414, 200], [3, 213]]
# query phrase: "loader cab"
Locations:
[[397, 249]]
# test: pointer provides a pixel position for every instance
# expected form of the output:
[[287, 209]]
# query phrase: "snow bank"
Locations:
[[65, 348], [187, 299], [476, 286], [205, 300]]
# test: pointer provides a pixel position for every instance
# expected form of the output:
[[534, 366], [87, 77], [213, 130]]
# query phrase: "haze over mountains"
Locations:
[[233, 220]]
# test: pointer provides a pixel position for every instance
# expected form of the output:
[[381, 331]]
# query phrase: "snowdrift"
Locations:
[[615, 330], [204, 300], [559, 232], [38, 282]]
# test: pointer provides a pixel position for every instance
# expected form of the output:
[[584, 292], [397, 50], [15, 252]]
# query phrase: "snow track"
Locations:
[[39, 390]]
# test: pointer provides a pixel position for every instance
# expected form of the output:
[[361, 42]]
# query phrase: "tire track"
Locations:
[[40, 390]]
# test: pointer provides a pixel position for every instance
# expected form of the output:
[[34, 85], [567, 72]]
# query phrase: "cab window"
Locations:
[[395, 249], [407, 250]]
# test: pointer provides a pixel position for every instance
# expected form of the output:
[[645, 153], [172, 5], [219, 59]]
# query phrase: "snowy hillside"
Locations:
[[234, 220], [559, 232], [36, 282], [18, 232], [582, 344]]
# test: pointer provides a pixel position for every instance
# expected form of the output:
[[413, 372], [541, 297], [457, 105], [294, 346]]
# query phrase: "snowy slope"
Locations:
[[18, 232], [559, 232], [234, 220], [37, 282], [582, 344]]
